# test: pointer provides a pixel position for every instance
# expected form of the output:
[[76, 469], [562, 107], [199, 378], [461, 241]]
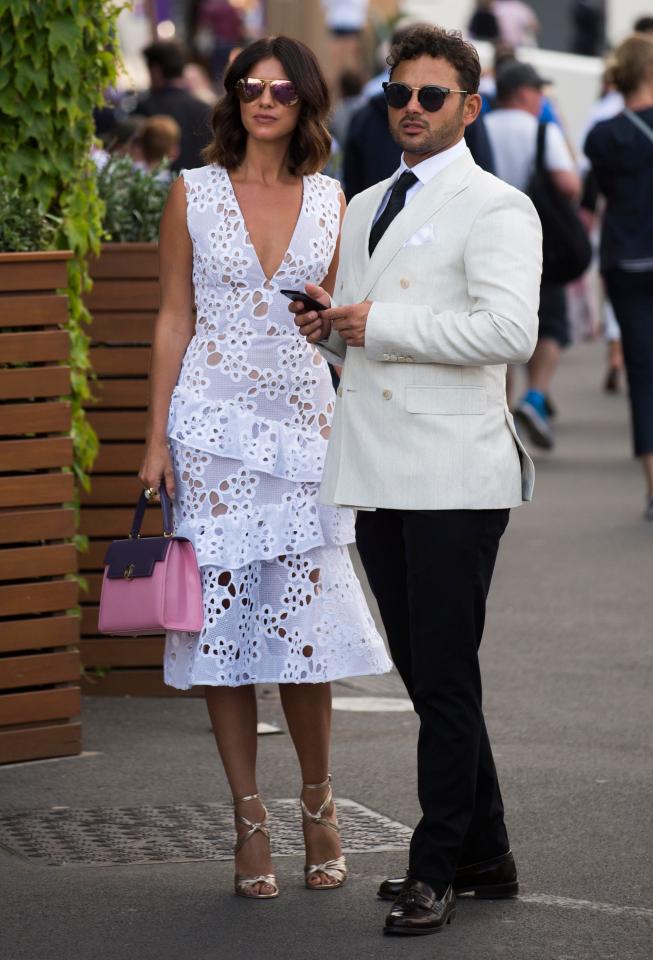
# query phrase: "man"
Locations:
[[512, 129], [168, 96], [439, 295]]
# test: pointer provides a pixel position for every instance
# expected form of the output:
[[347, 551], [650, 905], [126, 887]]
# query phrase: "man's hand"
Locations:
[[350, 322], [312, 324]]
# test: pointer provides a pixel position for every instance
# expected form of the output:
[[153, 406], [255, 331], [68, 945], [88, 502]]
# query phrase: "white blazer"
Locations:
[[421, 420]]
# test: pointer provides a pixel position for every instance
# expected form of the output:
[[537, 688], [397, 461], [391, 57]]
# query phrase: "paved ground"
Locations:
[[567, 676]]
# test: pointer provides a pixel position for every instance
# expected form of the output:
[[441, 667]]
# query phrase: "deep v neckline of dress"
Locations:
[[249, 236]]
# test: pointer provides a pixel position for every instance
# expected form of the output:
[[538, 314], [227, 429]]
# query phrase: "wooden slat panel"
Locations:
[[24, 526], [35, 706], [18, 418], [39, 382], [94, 581], [40, 742], [37, 597], [32, 275], [112, 491], [34, 347], [119, 458], [120, 361], [30, 670], [122, 328], [36, 454], [42, 310], [116, 522], [134, 683], [123, 652], [39, 632], [119, 425], [25, 491], [93, 559], [123, 295], [50, 561], [127, 263], [120, 393], [89, 626]]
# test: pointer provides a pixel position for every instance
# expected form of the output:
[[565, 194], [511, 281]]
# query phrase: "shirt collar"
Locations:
[[425, 170]]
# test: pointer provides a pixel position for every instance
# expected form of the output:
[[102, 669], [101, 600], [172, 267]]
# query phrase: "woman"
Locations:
[[621, 153], [239, 419]]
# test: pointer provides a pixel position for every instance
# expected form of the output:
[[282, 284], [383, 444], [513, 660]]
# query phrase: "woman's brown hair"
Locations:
[[633, 61], [310, 146]]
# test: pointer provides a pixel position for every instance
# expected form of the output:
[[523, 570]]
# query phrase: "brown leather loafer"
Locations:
[[494, 879], [418, 910]]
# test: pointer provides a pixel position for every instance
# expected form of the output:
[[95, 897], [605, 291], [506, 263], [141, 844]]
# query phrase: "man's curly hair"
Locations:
[[444, 44]]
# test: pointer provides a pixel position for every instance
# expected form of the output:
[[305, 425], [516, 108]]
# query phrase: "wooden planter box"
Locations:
[[39, 658], [124, 303]]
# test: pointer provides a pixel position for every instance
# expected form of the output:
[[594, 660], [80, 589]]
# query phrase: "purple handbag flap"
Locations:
[[136, 557]]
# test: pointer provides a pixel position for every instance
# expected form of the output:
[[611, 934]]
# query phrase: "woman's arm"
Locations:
[[172, 334]]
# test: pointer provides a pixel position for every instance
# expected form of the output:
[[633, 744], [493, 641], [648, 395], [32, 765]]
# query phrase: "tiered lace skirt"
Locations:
[[282, 603]]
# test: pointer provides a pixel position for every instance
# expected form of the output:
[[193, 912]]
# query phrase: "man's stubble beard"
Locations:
[[437, 140]]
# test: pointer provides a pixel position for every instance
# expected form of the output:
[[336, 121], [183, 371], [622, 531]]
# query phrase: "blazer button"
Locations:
[[339, 391], [404, 284], [387, 394]]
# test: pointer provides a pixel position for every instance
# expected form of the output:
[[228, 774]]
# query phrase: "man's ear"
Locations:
[[472, 108]]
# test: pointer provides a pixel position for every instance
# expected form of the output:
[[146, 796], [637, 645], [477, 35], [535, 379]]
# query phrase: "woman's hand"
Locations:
[[157, 467]]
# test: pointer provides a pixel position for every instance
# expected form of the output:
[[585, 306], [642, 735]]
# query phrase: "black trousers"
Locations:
[[631, 295], [430, 571]]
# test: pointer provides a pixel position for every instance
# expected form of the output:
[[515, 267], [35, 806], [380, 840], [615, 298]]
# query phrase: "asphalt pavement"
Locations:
[[567, 665]]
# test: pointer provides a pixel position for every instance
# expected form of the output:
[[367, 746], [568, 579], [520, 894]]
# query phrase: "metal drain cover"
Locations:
[[177, 832]]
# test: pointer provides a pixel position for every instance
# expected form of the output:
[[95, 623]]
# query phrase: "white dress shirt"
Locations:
[[425, 170]]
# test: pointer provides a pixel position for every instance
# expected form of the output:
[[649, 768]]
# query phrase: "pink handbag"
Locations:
[[151, 584]]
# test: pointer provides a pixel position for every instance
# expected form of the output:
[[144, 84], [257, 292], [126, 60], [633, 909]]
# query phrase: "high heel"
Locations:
[[243, 885], [335, 870]]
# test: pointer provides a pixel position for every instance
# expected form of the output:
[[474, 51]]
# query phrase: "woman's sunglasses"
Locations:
[[250, 89], [431, 97]]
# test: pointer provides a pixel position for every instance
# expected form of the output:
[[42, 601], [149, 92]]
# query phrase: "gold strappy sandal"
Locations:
[[335, 870], [244, 886]]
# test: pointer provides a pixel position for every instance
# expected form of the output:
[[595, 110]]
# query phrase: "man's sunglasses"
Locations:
[[431, 97], [250, 89]]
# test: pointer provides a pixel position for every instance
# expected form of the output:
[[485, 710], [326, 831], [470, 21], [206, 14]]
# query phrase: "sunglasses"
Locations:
[[431, 97], [250, 89]]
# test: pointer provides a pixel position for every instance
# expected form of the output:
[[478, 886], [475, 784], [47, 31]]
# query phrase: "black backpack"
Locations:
[[567, 251]]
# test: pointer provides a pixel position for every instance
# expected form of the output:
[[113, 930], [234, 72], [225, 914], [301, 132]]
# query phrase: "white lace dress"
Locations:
[[248, 428]]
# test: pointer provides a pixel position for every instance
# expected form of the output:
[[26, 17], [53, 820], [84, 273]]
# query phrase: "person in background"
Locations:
[[484, 24], [518, 25], [351, 98], [198, 82], [157, 142], [587, 17], [621, 153], [222, 23], [512, 129], [345, 21], [169, 96]]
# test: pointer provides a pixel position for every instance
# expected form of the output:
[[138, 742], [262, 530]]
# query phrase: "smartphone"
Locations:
[[308, 302]]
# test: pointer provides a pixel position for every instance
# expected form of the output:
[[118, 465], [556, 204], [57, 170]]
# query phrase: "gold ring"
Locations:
[[150, 493]]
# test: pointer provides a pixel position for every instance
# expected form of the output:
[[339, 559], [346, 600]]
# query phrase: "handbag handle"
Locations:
[[139, 513]]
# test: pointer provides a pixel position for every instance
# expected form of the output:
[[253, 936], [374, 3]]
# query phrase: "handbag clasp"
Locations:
[[128, 572]]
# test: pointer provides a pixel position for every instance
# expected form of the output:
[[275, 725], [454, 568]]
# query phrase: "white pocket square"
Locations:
[[425, 234]]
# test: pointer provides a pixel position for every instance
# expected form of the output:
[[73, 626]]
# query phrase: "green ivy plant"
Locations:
[[133, 200], [56, 59]]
